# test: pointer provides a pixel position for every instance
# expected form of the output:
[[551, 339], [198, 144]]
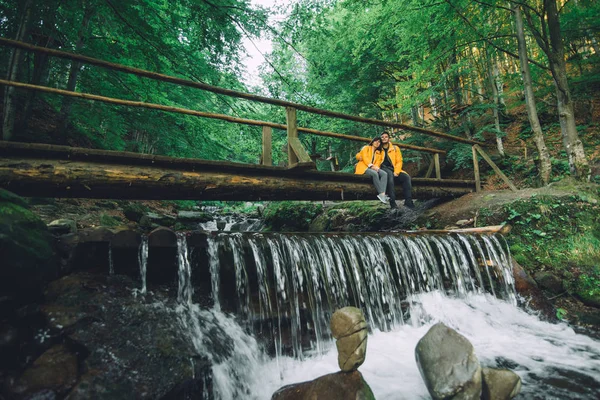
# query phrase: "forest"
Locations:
[[522, 76]]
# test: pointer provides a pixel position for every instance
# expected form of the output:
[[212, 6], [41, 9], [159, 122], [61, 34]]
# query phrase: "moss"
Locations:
[[291, 216], [109, 221]]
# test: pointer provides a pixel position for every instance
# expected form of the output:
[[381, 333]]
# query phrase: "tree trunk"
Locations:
[[578, 161], [495, 95], [75, 68], [545, 165], [14, 65]]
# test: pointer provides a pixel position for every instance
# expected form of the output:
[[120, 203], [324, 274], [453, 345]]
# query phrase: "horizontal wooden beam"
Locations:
[[60, 171], [202, 114], [228, 92]]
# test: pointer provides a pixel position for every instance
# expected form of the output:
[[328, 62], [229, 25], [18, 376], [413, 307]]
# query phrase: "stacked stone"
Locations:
[[349, 328]]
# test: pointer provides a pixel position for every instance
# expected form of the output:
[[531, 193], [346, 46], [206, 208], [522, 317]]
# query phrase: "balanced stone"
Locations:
[[349, 327], [448, 364]]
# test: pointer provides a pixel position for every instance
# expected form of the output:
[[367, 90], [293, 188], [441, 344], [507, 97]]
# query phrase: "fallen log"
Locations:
[[503, 229]]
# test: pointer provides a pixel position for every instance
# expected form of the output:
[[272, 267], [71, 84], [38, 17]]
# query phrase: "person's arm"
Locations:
[[398, 161]]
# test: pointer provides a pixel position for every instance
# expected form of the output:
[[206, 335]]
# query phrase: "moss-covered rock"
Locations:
[[26, 250], [290, 216]]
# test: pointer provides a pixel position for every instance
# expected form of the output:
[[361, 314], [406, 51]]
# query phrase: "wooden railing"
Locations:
[[297, 155]]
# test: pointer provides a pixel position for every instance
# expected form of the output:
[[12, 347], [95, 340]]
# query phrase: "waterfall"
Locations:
[[185, 290], [274, 294], [143, 262], [299, 280]]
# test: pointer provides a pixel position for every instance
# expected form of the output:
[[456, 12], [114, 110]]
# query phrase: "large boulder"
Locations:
[[349, 327], [26, 250], [448, 364], [500, 384], [338, 386]]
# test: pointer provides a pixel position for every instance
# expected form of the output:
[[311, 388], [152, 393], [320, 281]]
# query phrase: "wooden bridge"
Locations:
[[60, 171]]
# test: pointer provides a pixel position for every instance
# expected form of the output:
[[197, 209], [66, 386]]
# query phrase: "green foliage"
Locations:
[[558, 234], [109, 220], [290, 216], [561, 313]]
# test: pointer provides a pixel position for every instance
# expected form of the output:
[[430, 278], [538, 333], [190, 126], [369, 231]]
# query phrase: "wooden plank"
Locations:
[[292, 133], [430, 169], [503, 229], [436, 161], [267, 156], [495, 168], [227, 92], [476, 170], [299, 151]]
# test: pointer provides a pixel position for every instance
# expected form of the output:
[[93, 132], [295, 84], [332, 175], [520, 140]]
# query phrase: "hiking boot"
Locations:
[[408, 203]]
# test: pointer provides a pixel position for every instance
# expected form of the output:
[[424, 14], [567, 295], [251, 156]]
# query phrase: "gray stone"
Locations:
[[500, 384], [62, 226], [549, 281], [164, 220], [162, 237], [448, 364]]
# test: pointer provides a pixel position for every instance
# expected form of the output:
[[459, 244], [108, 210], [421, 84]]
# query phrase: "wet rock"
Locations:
[[128, 349], [26, 250], [193, 216], [134, 211], [126, 238], [499, 384], [549, 281], [159, 219], [349, 327], [56, 370], [338, 386], [98, 234], [162, 237], [62, 226], [588, 298], [529, 290], [448, 364]]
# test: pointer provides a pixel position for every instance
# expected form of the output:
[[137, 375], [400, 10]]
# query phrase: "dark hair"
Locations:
[[385, 133], [376, 138]]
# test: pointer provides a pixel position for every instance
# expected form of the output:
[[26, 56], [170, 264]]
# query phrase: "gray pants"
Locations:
[[380, 179]]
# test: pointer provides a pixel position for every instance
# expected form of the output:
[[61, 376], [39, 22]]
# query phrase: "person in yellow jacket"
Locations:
[[369, 159], [392, 165]]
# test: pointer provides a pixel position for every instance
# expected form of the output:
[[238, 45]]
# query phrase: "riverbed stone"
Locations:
[[162, 237], [500, 384], [349, 327], [337, 386], [62, 226], [528, 290], [193, 216], [448, 364], [56, 370]]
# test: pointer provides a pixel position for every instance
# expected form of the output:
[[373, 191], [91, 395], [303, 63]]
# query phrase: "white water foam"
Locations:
[[538, 351]]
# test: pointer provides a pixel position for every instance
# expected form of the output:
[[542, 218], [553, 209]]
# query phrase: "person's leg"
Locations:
[[376, 180], [390, 187], [406, 183], [383, 180]]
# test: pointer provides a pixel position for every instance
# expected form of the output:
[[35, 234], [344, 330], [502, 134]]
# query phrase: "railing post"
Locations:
[[476, 170], [436, 160], [292, 133], [267, 158]]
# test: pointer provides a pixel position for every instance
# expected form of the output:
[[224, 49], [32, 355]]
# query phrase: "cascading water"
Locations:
[[143, 262], [283, 289]]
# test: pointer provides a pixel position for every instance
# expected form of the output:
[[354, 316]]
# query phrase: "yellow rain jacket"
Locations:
[[365, 157], [395, 156]]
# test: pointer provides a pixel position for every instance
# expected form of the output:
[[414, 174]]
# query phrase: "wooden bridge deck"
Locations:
[[60, 171]]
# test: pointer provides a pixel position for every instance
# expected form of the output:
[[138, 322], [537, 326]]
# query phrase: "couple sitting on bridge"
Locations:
[[382, 161]]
